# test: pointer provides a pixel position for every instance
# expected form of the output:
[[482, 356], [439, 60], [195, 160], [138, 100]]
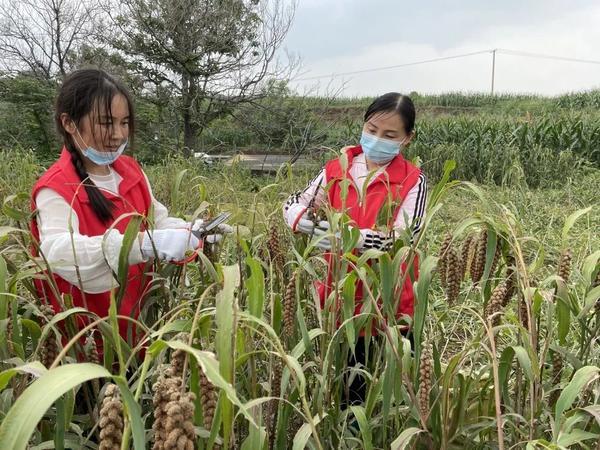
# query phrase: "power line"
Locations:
[[414, 63], [542, 56], [445, 58]]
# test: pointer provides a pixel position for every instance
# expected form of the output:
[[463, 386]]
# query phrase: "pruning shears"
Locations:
[[206, 228], [201, 232]]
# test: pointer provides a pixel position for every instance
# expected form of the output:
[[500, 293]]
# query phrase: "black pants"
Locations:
[[355, 384]]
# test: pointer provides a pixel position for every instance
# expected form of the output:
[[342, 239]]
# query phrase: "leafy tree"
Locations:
[[26, 114], [211, 55]]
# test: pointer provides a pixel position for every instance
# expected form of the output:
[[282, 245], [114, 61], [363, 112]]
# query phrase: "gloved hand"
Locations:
[[305, 224], [368, 239], [170, 244], [323, 237], [217, 234]]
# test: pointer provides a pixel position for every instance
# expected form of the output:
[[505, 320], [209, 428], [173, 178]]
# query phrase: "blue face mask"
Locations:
[[380, 151], [102, 158]]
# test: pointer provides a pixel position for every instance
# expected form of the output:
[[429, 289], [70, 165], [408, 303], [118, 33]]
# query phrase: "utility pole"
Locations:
[[493, 68]]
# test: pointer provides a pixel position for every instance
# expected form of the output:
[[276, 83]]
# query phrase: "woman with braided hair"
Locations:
[[86, 199]]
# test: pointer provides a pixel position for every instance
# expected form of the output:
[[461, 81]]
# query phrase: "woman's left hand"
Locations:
[[323, 237]]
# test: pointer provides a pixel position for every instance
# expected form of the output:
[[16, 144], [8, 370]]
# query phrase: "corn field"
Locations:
[[234, 350]]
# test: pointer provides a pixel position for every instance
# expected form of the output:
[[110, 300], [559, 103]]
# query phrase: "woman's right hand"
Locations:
[[169, 244]]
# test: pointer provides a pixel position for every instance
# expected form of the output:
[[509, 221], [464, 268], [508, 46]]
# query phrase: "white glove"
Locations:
[[323, 237], [305, 224], [216, 236], [368, 239], [374, 239], [170, 244]]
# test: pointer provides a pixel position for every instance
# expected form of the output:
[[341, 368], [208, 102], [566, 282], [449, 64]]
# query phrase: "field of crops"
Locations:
[[235, 352]]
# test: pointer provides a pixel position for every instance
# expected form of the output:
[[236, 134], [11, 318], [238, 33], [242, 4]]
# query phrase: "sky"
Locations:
[[336, 36]]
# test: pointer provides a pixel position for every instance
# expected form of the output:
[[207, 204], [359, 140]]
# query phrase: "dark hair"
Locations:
[[394, 102], [80, 92]]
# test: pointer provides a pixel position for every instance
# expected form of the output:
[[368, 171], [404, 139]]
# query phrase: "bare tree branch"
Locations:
[[39, 36]]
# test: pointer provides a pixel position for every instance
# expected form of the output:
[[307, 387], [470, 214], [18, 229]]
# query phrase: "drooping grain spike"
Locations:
[[179, 426], [178, 358], [208, 400], [511, 279], [274, 404], [478, 264], [466, 255], [442, 260], [496, 302], [94, 357], [497, 254], [523, 317], [557, 368], [49, 350], [289, 308], [453, 277], [274, 246], [166, 390], [426, 379], [111, 419], [564, 265]]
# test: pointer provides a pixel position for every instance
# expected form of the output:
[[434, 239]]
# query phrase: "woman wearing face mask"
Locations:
[[86, 199], [377, 162]]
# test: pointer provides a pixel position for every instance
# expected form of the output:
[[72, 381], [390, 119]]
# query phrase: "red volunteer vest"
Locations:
[[134, 196], [398, 178]]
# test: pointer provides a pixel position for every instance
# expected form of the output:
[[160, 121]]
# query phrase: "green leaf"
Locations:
[[524, 361], [421, 301], [225, 316], [593, 410], [437, 191], [34, 368], [30, 407], [256, 287], [130, 238], [402, 441], [589, 266], [563, 311], [34, 329], [363, 424], [575, 437], [175, 190], [301, 437], [504, 368], [4, 301], [580, 379], [388, 281], [349, 297], [571, 221]]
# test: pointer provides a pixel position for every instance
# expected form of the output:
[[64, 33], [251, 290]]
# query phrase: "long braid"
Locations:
[[100, 204]]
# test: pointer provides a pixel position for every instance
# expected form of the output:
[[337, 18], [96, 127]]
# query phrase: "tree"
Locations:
[[38, 36], [211, 54]]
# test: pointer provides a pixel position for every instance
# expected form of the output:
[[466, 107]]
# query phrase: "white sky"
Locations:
[[345, 35]]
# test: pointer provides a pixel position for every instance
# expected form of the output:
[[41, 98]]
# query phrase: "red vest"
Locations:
[[134, 196], [398, 178]]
